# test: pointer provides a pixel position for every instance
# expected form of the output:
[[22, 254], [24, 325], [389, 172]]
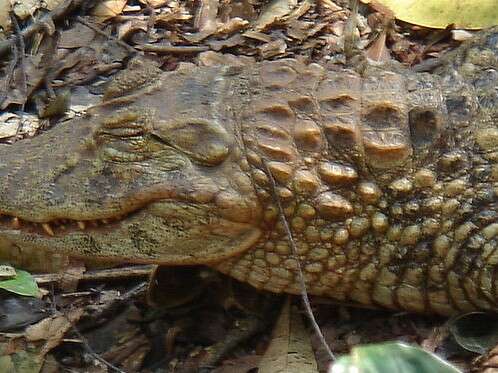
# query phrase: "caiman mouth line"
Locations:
[[62, 225]]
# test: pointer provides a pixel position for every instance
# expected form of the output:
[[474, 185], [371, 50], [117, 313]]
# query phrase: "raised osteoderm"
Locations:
[[388, 179]]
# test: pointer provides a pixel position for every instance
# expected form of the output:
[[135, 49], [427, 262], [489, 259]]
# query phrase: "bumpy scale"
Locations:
[[388, 179]]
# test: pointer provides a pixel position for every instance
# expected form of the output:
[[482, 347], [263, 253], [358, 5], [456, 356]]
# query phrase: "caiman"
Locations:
[[387, 178]]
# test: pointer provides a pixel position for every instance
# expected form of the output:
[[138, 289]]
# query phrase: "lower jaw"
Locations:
[[166, 232]]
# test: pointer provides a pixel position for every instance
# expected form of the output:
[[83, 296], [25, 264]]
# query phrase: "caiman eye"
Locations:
[[204, 141], [121, 136], [424, 126]]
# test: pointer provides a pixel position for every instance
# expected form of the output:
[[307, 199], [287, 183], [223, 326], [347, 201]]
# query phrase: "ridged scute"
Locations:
[[372, 174], [144, 73], [387, 179]]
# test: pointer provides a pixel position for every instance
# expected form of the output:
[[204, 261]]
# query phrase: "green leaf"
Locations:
[[391, 357], [470, 14], [22, 284]]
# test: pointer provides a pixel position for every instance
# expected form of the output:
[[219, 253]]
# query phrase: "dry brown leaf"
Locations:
[[127, 29], [205, 20], [155, 3], [10, 122], [77, 36], [256, 35], [23, 81], [290, 348], [108, 9], [337, 28], [330, 5], [4, 14], [274, 12], [300, 10], [217, 45], [378, 50], [129, 351], [231, 26], [25, 9], [273, 48], [52, 4], [210, 58], [52, 329], [487, 363], [380, 8]]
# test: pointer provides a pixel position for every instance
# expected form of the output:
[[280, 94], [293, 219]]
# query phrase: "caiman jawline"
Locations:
[[61, 225]]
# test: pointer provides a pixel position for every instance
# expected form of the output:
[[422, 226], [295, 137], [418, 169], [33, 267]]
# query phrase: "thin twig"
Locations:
[[22, 63], [151, 21], [118, 302], [59, 12], [133, 292], [300, 276], [349, 30], [96, 71], [100, 274], [172, 49], [121, 43], [9, 73], [95, 355]]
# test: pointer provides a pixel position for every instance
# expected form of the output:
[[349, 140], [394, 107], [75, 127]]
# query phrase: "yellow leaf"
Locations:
[[108, 9], [469, 14], [4, 14]]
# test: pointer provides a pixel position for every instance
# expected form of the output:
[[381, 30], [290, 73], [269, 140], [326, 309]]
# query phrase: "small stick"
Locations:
[[9, 73], [172, 49], [126, 46], [22, 64], [92, 353], [100, 275], [59, 12], [349, 29], [300, 276]]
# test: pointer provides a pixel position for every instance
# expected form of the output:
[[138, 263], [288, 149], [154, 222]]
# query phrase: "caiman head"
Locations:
[[154, 173]]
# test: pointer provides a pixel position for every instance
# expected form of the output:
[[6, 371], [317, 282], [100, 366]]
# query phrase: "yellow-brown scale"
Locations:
[[374, 188], [388, 179]]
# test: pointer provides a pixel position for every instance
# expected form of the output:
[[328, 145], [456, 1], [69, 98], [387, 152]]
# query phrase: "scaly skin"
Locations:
[[388, 179]]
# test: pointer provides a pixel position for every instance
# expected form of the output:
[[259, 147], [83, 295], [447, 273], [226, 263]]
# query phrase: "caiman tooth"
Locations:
[[16, 222], [104, 221], [81, 225], [48, 229]]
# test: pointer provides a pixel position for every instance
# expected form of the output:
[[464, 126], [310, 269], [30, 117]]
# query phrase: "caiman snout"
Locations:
[[128, 181]]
